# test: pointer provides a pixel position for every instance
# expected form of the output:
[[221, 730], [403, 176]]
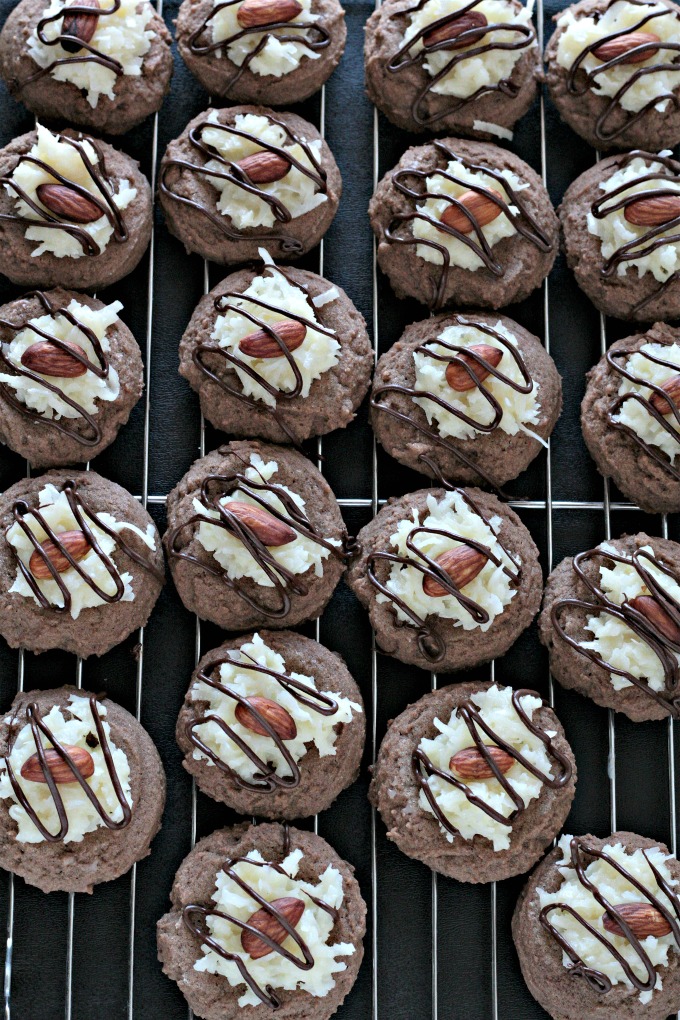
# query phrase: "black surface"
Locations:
[[404, 888]]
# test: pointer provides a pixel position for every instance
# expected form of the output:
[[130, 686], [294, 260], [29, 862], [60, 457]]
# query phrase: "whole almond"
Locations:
[[289, 907], [479, 206], [657, 616], [253, 13], [278, 718], [32, 771], [81, 26], [473, 19], [643, 919], [264, 167], [68, 204], [613, 48], [470, 763], [652, 212], [672, 388], [269, 529], [74, 542], [462, 564], [456, 376], [261, 345], [47, 358]]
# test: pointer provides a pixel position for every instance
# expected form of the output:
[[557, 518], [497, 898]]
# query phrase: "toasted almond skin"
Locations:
[[264, 167], [643, 919], [32, 771], [652, 212], [252, 13], [473, 19], [471, 764], [672, 388], [289, 907], [270, 531], [68, 204], [260, 344], [456, 376], [82, 26], [47, 358], [617, 47], [657, 616], [462, 564], [74, 542], [481, 208], [276, 715]]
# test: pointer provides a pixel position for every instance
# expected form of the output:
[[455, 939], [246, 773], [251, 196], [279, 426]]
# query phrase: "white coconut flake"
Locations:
[[276, 56], [493, 129]]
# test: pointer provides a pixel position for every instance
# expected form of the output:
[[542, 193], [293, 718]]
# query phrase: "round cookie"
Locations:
[[298, 44], [423, 393], [440, 799], [611, 623], [454, 587], [629, 427], [55, 409], [322, 337], [300, 689], [452, 66], [276, 558], [111, 74], [611, 100], [89, 225], [469, 244], [245, 177], [292, 863], [83, 571], [64, 838], [623, 248], [619, 886]]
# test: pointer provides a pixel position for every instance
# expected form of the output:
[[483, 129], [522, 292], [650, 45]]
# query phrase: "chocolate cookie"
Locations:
[[474, 780], [71, 372], [255, 537], [450, 578], [611, 80], [259, 51], [82, 789], [611, 622], [448, 235], [106, 71], [74, 212], [272, 725], [81, 564], [268, 878], [470, 397], [630, 417], [596, 929], [620, 221], [278, 353], [466, 68], [245, 177]]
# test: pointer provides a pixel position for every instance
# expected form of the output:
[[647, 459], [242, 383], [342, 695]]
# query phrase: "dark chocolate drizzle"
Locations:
[[598, 981], [38, 727], [91, 55], [474, 42], [661, 645], [235, 175], [522, 221], [580, 81]]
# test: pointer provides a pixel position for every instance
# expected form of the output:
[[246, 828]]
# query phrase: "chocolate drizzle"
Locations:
[[38, 727], [233, 173], [580, 81], [522, 221], [662, 646], [91, 55], [470, 44], [423, 768], [599, 982]]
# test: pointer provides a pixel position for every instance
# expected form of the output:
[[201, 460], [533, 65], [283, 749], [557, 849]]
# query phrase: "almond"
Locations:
[[643, 919], [269, 530], [470, 763], [47, 358], [657, 616], [613, 48], [261, 345], [68, 204], [456, 376], [32, 771], [476, 206], [264, 167], [81, 26], [473, 19], [253, 13], [288, 907], [278, 718], [462, 564], [672, 388], [74, 542], [653, 212]]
